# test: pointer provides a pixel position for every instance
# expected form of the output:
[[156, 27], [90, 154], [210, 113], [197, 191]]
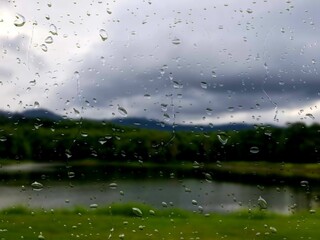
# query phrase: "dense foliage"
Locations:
[[44, 140]]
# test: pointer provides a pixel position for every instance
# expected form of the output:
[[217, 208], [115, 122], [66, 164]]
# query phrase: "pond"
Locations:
[[196, 194]]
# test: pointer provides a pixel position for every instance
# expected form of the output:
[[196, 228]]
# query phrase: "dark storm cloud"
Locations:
[[211, 60]]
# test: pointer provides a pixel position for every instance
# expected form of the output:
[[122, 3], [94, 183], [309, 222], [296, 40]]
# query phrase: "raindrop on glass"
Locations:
[[249, 10], [36, 186], [122, 111], [53, 29], [194, 202], [93, 206], [176, 41], [103, 34], [36, 104], [20, 20], [223, 138], [254, 150], [204, 85], [137, 212], [113, 185], [44, 47], [262, 203], [48, 40]]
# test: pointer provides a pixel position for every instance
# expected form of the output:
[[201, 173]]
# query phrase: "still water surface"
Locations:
[[187, 193]]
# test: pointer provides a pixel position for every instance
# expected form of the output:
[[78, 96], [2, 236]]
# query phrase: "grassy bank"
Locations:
[[133, 221]]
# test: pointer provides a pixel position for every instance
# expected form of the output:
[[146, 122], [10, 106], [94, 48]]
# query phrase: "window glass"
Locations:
[[149, 119]]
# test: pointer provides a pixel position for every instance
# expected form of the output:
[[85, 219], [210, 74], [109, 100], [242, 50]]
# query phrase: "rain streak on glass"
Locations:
[[20, 20]]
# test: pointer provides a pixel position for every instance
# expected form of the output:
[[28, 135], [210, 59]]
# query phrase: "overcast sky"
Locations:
[[177, 61]]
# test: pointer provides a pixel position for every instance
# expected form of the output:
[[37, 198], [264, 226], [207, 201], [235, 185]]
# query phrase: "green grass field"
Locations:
[[127, 222]]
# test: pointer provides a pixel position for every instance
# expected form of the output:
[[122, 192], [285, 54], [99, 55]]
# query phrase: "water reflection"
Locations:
[[188, 193]]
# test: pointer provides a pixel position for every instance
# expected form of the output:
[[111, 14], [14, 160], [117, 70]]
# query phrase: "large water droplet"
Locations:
[[3, 139], [177, 85], [254, 150], [93, 206], [310, 116], [249, 10], [204, 85], [44, 47], [176, 41], [20, 20], [121, 236], [122, 111], [137, 212], [262, 203], [36, 186], [48, 40], [223, 138], [40, 236], [53, 29], [103, 34], [36, 104], [208, 177], [113, 185], [194, 202]]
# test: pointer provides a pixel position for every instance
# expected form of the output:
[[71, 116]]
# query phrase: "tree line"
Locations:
[[46, 140]]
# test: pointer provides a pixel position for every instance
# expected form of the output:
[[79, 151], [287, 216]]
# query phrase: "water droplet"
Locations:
[[312, 211], [177, 85], [208, 177], [36, 104], [53, 29], [103, 34], [273, 229], [282, 30], [3, 139], [76, 111], [254, 150], [48, 40], [166, 117], [102, 141], [44, 47], [209, 111], [313, 61], [93, 206], [113, 185], [223, 138], [20, 20], [108, 11], [40, 236], [122, 111], [68, 153], [262, 203], [121, 236], [164, 204], [310, 116], [213, 74], [84, 134], [71, 174], [36, 186], [204, 85], [164, 107], [148, 96], [249, 10], [176, 41], [304, 183], [194, 202], [137, 212], [152, 212]]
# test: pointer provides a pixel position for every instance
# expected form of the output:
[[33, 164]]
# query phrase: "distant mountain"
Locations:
[[41, 113], [154, 124], [132, 122]]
